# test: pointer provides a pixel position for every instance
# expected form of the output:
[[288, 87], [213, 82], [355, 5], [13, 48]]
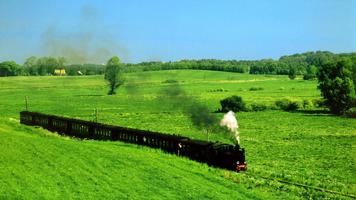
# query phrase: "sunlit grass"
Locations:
[[313, 149]]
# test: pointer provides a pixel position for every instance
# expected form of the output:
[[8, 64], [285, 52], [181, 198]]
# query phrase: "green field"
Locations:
[[290, 155]]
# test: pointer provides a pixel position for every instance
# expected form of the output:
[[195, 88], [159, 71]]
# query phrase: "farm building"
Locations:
[[60, 72]]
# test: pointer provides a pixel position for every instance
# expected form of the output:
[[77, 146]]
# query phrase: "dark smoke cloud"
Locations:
[[199, 114], [89, 42]]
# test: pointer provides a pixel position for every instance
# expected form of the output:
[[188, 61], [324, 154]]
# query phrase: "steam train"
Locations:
[[216, 154]]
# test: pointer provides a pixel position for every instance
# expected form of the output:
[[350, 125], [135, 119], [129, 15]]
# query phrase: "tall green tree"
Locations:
[[310, 74], [114, 74], [336, 85], [30, 65], [292, 74], [9, 68]]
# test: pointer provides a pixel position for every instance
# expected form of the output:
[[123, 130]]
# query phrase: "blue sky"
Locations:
[[164, 30]]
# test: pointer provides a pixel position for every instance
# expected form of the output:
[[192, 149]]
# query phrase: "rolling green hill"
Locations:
[[36, 164], [290, 155]]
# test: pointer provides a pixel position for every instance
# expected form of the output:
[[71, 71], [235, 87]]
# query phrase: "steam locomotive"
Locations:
[[216, 154]]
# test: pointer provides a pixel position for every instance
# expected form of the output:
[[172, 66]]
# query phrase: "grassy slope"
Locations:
[[317, 150], [35, 164]]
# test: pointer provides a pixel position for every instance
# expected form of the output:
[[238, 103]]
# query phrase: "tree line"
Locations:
[[306, 64], [241, 66], [43, 66]]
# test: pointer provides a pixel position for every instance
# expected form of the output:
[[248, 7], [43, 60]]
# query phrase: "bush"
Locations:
[[170, 81], [258, 107], [307, 104], [287, 105], [218, 90], [256, 88], [234, 103], [308, 77], [319, 103]]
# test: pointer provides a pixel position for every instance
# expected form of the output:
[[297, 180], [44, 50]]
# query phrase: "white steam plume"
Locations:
[[230, 122]]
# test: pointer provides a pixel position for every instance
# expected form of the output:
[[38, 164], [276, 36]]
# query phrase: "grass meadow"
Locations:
[[299, 155]]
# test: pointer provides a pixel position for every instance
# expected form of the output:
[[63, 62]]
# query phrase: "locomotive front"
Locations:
[[241, 164], [228, 156]]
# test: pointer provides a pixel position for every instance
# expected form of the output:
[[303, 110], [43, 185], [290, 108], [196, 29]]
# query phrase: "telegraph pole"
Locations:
[[96, 115], [26, 103]]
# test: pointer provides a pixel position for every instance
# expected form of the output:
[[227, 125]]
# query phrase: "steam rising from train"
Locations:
[[199, 114], [229, 120]]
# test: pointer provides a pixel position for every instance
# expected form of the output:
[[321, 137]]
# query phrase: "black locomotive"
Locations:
[[226, 156]]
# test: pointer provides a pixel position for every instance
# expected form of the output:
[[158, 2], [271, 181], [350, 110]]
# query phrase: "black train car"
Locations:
[[215, 154]]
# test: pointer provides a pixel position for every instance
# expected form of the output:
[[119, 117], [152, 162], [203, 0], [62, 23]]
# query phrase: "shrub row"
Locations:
[[256, 88], [237, 104], [218, 90]]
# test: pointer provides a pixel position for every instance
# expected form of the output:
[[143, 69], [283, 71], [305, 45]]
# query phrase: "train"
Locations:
[[216, 154]]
